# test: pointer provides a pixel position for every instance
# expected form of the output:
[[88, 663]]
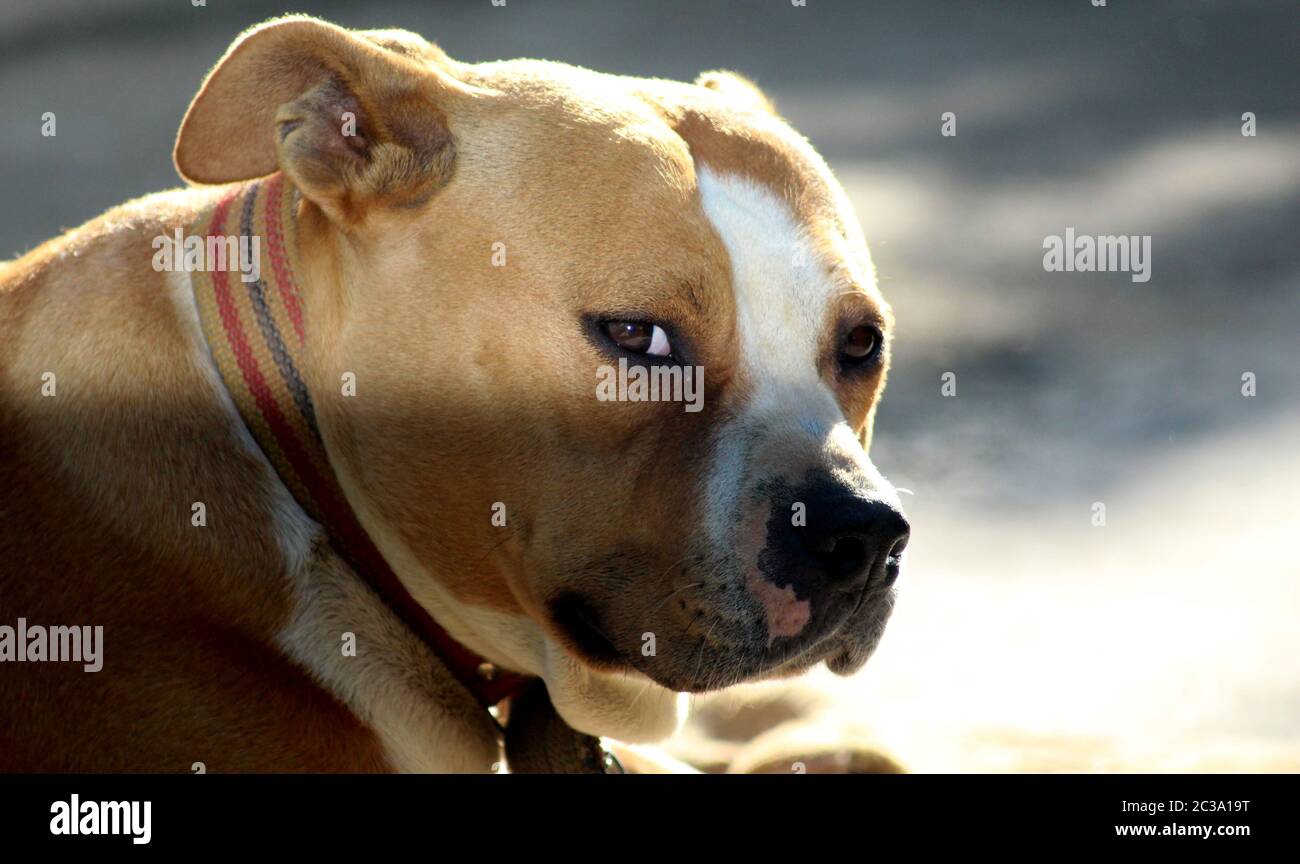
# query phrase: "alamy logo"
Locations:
[[133, 818], [657, 383], [36, 644], [212, 254], [1104, 253]]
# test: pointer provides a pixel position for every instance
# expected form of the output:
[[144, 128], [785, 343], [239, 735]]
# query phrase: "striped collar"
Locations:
[[256, 329]]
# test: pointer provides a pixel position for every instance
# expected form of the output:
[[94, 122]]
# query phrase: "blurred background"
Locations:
[[1026, 636]]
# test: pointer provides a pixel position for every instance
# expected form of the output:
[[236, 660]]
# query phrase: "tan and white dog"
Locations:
[[474, 242]]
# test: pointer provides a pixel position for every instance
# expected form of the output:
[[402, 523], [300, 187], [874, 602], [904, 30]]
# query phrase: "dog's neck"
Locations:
[[254, 319]]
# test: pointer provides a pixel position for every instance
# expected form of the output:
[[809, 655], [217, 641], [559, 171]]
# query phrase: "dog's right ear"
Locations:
[[738, 88], [352, 121]]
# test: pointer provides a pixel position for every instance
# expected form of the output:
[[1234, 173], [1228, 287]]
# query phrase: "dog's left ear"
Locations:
[[353, 119]]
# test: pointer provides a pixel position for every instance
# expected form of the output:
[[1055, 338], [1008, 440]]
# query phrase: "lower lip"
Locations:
[[575, 618]]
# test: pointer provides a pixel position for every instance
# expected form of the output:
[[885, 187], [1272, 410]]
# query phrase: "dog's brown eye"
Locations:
[[639, 337], [861, 344]]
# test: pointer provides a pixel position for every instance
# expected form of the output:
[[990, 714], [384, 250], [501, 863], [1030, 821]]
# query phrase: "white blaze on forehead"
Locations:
[[783, 293]]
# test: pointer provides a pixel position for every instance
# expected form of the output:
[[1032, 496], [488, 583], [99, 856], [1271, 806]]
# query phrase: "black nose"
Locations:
[[853, 540]]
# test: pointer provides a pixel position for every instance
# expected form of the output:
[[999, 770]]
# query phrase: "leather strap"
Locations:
[[538, 741]]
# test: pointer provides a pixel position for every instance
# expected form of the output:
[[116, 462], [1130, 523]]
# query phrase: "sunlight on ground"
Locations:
[[1165, 641]]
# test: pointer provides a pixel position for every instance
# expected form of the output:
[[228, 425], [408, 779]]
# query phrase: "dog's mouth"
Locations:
[[844, 646], [576, 618]]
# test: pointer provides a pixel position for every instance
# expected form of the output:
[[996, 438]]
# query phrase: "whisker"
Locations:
[[674, 593], [703, 643]]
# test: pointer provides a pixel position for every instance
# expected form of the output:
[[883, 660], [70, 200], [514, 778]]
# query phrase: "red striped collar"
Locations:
[[255, 328]]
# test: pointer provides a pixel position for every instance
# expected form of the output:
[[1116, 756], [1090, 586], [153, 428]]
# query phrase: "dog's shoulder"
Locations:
[[132, 488]]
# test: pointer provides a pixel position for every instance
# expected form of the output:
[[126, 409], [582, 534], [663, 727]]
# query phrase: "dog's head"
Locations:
[[508, 256]]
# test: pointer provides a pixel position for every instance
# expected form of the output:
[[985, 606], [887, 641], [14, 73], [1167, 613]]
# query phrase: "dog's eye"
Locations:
[[639, 337], [861, 345]]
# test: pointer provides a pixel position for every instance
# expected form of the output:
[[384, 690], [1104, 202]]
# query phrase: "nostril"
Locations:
[[846, 557], [894, 561]]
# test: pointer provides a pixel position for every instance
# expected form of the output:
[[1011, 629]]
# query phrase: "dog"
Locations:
[[334, 497]]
